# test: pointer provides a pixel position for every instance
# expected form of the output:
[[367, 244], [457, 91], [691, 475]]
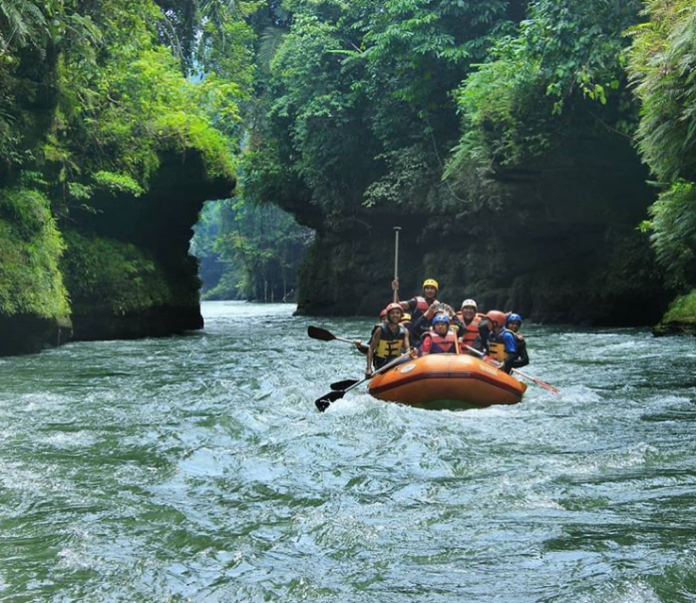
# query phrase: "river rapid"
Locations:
[[197, 469]]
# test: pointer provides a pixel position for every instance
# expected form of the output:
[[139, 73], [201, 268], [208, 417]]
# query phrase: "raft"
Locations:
[[446, 381]]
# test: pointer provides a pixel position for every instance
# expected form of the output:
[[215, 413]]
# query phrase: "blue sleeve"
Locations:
[[510, 342]]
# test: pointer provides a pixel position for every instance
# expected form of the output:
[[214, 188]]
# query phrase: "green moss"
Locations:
[[109, 276], [682, 309], [30, 250]]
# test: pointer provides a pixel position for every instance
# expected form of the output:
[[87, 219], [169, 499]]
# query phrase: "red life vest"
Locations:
[[471, 331], [443, 345], [422, 304]]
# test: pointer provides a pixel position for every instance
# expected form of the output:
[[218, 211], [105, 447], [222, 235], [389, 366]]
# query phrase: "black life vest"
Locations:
[[390, 345]]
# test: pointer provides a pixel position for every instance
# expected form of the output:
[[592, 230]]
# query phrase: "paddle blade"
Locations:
[[321, 334], [551, 388], [325, 401], [345, 384]]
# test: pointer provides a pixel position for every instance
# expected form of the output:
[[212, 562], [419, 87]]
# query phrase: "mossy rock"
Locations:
[[680, 319], [31, 283]]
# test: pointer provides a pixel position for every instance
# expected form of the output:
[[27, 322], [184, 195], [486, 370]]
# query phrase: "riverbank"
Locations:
[[680, 319]]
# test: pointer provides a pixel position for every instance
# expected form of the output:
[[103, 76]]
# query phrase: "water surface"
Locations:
[[197, 469]]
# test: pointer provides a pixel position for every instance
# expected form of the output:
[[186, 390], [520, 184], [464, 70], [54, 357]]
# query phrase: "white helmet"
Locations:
[[469, 302]]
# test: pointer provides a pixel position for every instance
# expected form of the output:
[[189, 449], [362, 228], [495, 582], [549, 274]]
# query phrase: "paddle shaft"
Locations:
[[539, 382], [325, 401], [386, 367], [396, 260], [324, 335]]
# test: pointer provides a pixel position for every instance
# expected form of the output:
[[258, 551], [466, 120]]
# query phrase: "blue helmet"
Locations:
[[514, 318], [441, 318]]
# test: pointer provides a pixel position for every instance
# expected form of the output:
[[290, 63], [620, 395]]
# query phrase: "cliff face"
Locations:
[[559, 245], [122, 270], [128, 269]]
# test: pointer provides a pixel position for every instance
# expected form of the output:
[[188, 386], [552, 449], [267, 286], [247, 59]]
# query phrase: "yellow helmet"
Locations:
[[430, 282]]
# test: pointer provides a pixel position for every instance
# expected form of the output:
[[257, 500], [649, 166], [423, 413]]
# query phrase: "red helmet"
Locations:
[[383, 313], [497, 318], [394, 306]]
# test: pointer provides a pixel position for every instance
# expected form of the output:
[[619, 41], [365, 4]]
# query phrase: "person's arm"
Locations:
[[409, 305], [374, 342], [395, 289], [407, 341], [522, 356], [426, 344]]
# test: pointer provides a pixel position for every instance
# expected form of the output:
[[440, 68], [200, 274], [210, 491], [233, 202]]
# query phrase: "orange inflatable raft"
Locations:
[[447, 381]]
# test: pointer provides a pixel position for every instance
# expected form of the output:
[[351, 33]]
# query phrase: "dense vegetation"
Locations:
[[449, 114], [663, 69], [248, 251]]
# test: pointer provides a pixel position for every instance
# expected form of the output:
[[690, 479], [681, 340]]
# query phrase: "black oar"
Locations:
[[539, 382], [343, 384], [325, 401], [324, 335]]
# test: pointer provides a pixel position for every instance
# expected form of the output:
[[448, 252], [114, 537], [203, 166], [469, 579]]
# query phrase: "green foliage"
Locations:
[[673, 232], [112, 277], [562, 69], [682, 310], [21, 23], [353, 85], [30, 250], [259, 247], [117, 183], [663, 67], [121, 112]]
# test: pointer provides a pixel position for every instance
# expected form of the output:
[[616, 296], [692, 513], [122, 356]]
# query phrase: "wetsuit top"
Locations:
[[417, 307], [522, 356]]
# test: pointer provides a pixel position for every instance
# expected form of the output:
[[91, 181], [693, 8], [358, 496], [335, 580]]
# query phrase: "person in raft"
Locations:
[[513, 323], [440, 339], [362, 348], [420, 307], [470, 321], [501, 345], [389, 341]]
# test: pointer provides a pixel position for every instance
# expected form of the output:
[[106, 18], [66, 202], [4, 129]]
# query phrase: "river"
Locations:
[[197, 469]]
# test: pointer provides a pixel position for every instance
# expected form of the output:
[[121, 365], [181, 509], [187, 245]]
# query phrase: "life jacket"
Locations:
[[496, 346], [421, 303], [471, 331], [390, 344], [443, 345]]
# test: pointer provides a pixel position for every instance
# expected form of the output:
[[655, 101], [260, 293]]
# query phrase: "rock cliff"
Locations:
[[559, 244]]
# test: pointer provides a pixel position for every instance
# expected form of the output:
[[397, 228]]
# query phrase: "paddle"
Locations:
[[325, 401], [396, 262], [343, 384], [539, 382], [324, 335]]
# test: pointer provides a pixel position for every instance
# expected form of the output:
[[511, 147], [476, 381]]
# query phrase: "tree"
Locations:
[[662, 69]]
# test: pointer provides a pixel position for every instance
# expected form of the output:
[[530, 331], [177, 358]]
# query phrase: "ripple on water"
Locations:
[[197, 469]]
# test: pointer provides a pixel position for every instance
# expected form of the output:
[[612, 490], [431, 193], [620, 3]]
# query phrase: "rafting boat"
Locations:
[[446, 381]]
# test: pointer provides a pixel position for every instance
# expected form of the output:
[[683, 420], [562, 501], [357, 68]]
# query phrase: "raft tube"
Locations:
[[447, 381]]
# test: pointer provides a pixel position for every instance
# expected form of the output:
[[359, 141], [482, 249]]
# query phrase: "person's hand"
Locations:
[[395, 284], [368, 373]]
